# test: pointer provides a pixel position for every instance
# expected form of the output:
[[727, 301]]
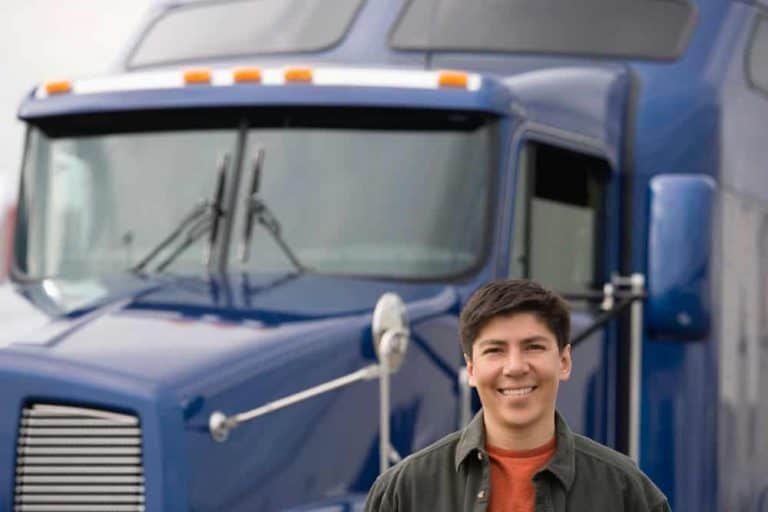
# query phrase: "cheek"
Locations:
[[483, 374]]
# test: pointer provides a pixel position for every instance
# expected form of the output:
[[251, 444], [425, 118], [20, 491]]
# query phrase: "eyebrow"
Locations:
[[524, 341]]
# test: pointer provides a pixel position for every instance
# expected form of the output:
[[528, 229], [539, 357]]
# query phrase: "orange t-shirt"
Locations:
[[512, 471]]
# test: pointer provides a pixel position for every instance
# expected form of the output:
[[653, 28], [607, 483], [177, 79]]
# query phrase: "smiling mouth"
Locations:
[[517, 391]]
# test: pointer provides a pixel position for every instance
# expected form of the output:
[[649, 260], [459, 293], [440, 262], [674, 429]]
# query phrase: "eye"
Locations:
[[537, 347], [491, 350]]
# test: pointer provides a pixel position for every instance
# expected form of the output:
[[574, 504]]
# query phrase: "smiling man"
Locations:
[[517, 454]]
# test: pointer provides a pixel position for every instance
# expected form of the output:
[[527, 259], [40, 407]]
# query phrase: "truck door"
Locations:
[[562, 237]]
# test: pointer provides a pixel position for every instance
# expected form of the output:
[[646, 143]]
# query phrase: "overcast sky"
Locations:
[[52, 39]]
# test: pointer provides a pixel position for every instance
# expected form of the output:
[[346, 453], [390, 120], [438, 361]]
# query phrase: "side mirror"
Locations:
[[679, 256], [390, 330]]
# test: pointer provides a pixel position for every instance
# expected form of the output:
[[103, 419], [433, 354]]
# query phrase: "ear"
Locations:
[[470, 370], [566, 362]]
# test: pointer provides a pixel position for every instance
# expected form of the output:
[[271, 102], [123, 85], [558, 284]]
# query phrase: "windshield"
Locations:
[[393, 197]]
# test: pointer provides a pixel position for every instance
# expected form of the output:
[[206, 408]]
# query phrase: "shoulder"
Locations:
[[598, 466], [438, 456], [597, 454], [425, 465]]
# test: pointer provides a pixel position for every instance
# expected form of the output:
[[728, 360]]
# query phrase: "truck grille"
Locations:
[[71, 458]]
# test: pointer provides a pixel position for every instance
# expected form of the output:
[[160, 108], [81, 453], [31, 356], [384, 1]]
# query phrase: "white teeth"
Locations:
[[516, 391]]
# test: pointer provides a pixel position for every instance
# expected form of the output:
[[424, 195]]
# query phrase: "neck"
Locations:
[[517, 439]]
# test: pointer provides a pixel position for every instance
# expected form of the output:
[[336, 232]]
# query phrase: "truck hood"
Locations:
[[170, 331]]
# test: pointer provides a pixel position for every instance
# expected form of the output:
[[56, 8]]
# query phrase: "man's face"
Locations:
[[516, 367]]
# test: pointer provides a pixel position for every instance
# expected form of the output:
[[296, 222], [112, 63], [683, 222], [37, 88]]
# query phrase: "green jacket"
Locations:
[[453, 475]]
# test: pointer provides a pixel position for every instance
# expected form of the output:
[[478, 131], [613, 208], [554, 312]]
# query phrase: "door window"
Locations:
[[559, 218]]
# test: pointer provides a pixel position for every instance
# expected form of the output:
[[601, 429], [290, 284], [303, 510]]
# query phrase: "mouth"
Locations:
[[517, 391]]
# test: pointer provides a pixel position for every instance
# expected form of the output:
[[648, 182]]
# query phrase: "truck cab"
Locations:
[[213, 243]]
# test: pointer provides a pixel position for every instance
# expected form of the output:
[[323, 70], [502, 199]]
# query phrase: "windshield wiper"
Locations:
[[204, 218], [257, 209], [218, 210]]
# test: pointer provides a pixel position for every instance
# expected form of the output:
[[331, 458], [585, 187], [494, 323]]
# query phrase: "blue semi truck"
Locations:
[[238, 263]]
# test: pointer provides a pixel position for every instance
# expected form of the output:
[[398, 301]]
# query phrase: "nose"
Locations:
[[515, 364]]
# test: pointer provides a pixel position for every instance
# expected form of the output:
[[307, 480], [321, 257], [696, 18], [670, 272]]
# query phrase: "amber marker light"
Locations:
[[58, 87], [453, 79], [244, 75], [301, 75], [197, 76]]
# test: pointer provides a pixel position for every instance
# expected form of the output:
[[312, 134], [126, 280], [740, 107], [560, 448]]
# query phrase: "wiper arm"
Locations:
[[264, 216], [257, 209], [192, 219], [202, 219]]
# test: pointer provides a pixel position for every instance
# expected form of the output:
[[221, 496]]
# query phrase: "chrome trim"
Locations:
[[61, 410], [637, 283], [78, 459], [82, 441], [69, 498], [76, 432], [95, 489], [219, 424], [79, 450], [37, 460], [84, 470], [391, 337], [79, 508], [80, 479], [69, 422]]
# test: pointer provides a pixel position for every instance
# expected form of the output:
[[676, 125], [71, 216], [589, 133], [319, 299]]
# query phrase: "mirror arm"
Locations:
[[220, 424], [391, 338], [631, 293]]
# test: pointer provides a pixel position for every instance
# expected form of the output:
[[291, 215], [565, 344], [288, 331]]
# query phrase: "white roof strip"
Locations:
[[354, 77]]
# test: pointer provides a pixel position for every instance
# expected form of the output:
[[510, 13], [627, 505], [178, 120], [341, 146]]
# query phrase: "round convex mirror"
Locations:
[[390, 318]]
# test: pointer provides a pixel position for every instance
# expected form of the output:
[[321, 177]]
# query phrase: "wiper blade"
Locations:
[[245, 244], [218, 210], [257, 209], [204, 218]]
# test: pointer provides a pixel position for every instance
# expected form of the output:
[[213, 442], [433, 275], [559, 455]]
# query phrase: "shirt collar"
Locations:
[[562, 464]]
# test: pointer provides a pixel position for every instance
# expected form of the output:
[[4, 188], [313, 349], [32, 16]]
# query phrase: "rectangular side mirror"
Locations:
[[679, 255]]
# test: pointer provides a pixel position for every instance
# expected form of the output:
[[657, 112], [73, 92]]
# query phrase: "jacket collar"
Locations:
[[562, 464], [472, 439]]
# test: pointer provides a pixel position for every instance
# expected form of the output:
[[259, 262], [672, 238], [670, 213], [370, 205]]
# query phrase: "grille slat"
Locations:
[[71, 422], [73, 458], [69, 441], [80, 489], [41, 411], [79, 508], [80, 450], [75, 470], [80, 479], [65, 461], [83, 498], [79, 432]]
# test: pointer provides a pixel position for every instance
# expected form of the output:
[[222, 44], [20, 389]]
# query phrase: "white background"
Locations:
[[53, 39]]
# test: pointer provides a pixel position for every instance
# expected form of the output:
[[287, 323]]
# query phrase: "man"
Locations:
[[518, 453]]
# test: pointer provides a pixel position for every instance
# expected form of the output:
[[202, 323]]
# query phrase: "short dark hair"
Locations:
[[506, 297]]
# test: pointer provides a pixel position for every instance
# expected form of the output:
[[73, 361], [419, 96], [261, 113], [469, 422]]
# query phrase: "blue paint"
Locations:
[[679, 247], [174, 349]]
